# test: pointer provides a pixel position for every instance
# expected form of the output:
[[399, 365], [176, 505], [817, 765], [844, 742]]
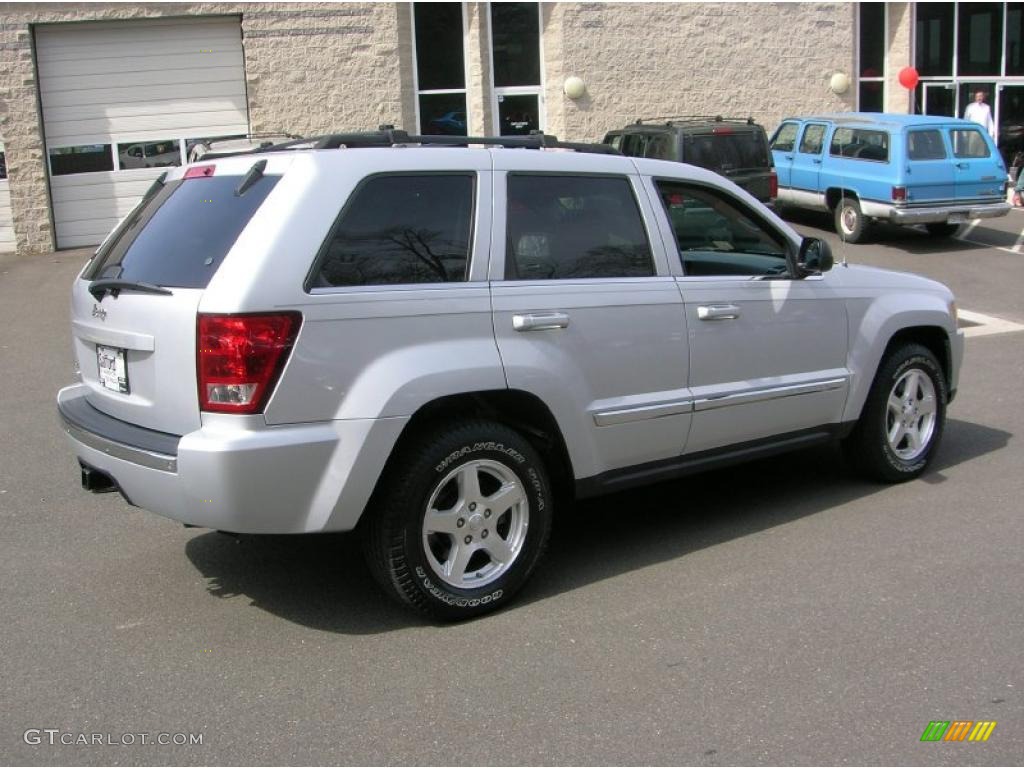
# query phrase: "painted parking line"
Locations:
[[976, 324]]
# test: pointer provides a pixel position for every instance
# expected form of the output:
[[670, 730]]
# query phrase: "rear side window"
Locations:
[[614, 140], [860, 144], [785, 138], [400, 230], [572, 227], [181, 234], [925, 145], [727, 150], [968, 143]]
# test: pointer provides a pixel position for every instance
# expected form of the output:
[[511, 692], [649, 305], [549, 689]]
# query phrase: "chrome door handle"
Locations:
[[541, 321], [718, 312]]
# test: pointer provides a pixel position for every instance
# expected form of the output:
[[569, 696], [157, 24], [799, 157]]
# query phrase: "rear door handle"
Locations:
[[718, 312], [962, 166], [541, 321]]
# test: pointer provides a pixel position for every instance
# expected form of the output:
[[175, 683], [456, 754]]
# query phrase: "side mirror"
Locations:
[[815, 256]]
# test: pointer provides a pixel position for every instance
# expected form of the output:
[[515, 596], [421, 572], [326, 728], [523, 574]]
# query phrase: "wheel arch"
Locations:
[[925, 326], [834, 194], [519, 410]]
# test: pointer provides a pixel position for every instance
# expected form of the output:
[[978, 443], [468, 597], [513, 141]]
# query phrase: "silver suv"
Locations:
[[440, 341]]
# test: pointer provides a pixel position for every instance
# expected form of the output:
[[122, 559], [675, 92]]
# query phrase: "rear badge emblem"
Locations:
[[98, 311]]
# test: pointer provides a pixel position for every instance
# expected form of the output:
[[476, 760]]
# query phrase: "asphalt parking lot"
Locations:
[[785, 612]]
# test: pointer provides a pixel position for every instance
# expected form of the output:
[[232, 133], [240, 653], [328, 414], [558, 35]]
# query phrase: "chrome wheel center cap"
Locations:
[[475, 522]]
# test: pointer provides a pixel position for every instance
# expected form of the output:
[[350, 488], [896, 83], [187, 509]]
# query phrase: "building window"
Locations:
[[515, 57], [149, 154], [871, 56], [84, 158], [934, 39], [1015, 38], [440, 67], [3, 163], [979, 38]]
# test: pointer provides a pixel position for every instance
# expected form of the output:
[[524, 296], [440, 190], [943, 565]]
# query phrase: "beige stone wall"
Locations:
[[310, 68], [898, 45], [768, 60]]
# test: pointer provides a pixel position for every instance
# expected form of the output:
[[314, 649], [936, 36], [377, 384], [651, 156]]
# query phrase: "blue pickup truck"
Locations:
[[904, 169]]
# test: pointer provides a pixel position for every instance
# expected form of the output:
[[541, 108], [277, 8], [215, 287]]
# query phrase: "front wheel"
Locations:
[[851, 224], [903, 419], [461, 519]]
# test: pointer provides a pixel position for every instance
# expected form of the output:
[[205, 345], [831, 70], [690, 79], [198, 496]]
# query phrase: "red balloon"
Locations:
[[909, 78]]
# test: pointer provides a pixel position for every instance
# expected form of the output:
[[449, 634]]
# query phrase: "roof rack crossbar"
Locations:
[[394, 137], [709, 118]]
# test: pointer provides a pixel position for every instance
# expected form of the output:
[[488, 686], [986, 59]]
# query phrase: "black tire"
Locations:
[[869, 447], [402, 555], [851, 225], [942, 229]]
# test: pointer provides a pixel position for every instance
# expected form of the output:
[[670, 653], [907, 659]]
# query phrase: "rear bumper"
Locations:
[[235, 473], [938, 214]]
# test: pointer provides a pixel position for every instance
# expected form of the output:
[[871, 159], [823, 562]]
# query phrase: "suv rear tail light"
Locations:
[[239, 358], [899, 194], [773, 185], [722, 130]]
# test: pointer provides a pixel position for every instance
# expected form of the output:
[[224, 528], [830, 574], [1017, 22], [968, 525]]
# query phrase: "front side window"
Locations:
[[925, 145], [860, 144], [814, 137], [716, 236], [400, 230], [635, 144], [785, 138], [969, 143], [660, 147], [574, 227]]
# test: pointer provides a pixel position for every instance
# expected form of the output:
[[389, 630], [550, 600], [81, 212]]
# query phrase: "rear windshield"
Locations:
[[180, 235], [727, 151]]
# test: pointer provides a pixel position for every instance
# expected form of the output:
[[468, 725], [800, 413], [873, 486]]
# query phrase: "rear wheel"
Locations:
[[942, 229], [461, 520], [903, 419], [850, 222]]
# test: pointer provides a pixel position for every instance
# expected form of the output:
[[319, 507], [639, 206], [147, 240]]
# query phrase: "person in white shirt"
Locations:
[[979, 112]]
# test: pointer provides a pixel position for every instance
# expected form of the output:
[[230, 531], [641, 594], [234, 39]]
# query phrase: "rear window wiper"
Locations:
[[114, 286], [255, 174]]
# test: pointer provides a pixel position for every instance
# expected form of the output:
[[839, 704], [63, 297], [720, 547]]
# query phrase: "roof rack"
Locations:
[[669, 119], [389, 136]]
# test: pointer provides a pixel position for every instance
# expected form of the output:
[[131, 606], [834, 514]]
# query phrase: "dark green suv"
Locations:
[[735, 148]]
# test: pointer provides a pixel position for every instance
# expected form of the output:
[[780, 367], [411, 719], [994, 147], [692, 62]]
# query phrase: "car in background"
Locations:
[[452, 124], [154, 154], [731, 147], [903, 169]]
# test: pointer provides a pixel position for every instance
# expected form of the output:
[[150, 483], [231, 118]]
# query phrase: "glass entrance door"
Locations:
[[1010, 123], [518, 103], [518, 113], [940, 99]]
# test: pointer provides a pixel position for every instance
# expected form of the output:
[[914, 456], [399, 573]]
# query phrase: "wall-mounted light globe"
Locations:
[[839, 83], [574, 87]]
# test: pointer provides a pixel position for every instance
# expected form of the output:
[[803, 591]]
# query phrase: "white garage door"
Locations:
[[123, 99], [6, 224]]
